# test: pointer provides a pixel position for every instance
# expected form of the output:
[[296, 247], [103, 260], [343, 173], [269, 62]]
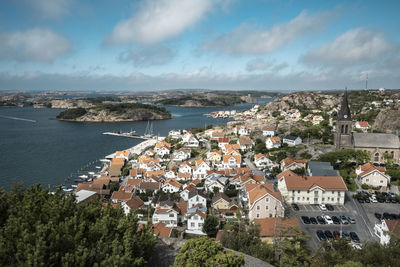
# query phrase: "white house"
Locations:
[[185, 192], [200, 169], [292, 140], [175, 134], [162, 148], [170, 175], [245, 143], [132, 204], [189, 140], [311, 189], [269, 131], [372, 175], [171, 186], [262, 161], [241, 130], [232, 161], [167, 214], [195, 220], [182, 155], [216, 181], [362, 125], [222, 142], [196, 198], [382, 230], [273, 142], [185, 167]]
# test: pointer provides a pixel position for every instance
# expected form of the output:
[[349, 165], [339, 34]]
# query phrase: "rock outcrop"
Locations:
[[388, 120]]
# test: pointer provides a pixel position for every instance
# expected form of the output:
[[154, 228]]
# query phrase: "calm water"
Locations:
[[51, 152]]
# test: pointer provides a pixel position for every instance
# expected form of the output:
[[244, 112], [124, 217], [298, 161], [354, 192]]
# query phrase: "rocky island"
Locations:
[[115, 113]]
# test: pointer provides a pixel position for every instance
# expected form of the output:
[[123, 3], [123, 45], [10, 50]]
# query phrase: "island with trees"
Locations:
[[115, 113]]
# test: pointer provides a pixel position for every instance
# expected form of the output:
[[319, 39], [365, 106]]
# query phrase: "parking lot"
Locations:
[[372, 208], [363, 226]]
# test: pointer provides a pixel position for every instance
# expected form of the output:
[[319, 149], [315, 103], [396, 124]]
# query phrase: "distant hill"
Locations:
[[115, 113]]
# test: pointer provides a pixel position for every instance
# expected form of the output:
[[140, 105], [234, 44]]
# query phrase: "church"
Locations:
[[376, 143]]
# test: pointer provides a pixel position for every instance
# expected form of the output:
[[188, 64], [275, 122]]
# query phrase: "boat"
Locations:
[[91, 173], [83, 176], [67, 189], [98, 167], [74, 186], [148, 133]]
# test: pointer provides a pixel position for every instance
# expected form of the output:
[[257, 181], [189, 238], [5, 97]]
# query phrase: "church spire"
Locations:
[[344, 112]]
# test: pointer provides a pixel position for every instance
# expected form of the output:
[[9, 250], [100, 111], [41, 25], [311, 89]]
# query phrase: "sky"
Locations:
[[121, 45]]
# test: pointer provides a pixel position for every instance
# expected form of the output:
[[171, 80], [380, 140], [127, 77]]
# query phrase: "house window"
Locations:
[[258, 215], [333, 192], [171, 215], [266, 199], [266, 207], [381, 181], [376, 157], [298, 198], [258, 207], [200, 225], [308, 191], [298, 191], [323, 199], [308, 198], [192, 224]]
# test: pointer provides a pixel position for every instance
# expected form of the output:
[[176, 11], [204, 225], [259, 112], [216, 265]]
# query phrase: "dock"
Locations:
[[139, 148], [128, 135]]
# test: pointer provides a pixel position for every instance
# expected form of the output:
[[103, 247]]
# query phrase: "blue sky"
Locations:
[[213, 44]]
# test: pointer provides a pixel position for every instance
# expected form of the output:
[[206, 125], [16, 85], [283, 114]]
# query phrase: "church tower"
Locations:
[[343, 136]]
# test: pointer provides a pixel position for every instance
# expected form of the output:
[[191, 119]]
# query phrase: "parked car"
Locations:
[[393, 200], [360, 200], [367, 200], [328, 234], [321, 235], [373, 199], [378, 216], [328, 219], [336, 234], [386, 216], [354, 237], [346, 235], [381, 199], [313, 220], [321, 220], [351, 220], [343, 220], [335, 220], [295, 207], [322, 207], [329, 207], [355, 246], [305, 219]]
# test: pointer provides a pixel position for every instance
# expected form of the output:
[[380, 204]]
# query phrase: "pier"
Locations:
[[128, 135], [139, 148]]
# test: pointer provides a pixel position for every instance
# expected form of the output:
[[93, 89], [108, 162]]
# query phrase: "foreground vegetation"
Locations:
[[38, 228]]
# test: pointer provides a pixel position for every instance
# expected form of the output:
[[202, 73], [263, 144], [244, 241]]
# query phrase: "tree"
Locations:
[[210, 226], [204, 251], [46, 229]]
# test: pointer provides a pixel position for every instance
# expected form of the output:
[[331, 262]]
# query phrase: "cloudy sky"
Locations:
[[213, 44]]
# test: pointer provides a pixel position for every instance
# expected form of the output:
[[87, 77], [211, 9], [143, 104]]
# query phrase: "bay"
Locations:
[[52, 152]]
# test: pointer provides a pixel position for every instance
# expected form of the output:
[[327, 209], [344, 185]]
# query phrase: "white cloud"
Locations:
[[248, 39], [257, 64], [50, 9], [201, 78], [157, 20], [40, 45], [354, 47], [148, 56]]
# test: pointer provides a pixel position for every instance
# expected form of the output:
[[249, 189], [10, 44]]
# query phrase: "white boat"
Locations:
[[67, 189], [83, 176], [74, 186], [91, 173], [98, 167], [105, 160]]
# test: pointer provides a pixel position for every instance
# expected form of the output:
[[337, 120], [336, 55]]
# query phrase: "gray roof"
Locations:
[[195, 193], [374, 140], [290, 137], [319, 168], [82, 195]]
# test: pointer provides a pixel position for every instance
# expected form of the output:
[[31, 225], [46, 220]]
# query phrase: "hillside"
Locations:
[[204, 100], [388, 120], [115, 113]]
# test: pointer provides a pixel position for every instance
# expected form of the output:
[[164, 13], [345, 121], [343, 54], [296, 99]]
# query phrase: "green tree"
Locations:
[[204, 251], [210, 226]]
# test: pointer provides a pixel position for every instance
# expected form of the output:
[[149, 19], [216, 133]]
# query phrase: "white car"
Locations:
[[328, 219], [373, 199], [322, 207], [355, 246]]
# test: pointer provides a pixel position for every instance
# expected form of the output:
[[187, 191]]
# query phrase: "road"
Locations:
[[250, 164]]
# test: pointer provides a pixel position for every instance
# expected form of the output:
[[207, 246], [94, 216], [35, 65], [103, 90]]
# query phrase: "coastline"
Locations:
[[107, 121], [139, 148]]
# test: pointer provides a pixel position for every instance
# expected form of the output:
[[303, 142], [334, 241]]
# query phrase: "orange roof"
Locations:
[[182, 206], [155, 173], [368, 167], [136, 172], [289, 161], [134, 182], [218, 134], [183, 175], [122, 153], [223, 140], [393, 226], [163, 144], [244, 140], [296, 182], [261, 190], [195, 181], [258, 178], [229, 147], [135, 203], [275, 139], [173, 183], [363, 123], [270, 227], [185, 163], [121, 195], [268, 128], [117, 162], [238, 158], [160, 229], [259, 156]]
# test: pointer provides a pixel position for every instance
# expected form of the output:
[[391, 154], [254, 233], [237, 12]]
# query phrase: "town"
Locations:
[[203, 181]]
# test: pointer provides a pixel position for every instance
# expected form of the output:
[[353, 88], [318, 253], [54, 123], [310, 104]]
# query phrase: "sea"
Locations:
[[36, 148]]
